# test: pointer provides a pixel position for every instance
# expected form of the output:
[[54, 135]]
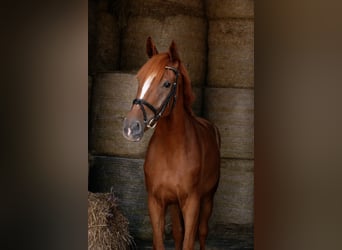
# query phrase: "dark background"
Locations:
[[297, 125]]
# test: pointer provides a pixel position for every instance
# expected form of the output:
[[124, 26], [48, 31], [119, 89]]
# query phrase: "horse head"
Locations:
[[157, 90]]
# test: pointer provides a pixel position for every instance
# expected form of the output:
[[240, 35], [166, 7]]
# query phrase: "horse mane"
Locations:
[[160, 61], [188, 94]]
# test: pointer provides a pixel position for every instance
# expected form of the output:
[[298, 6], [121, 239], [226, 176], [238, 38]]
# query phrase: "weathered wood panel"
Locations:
[[112, 99], [232, 111], [231, 53], [217, 9]]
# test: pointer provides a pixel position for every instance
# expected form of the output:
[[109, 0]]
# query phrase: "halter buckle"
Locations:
[[152, 123]]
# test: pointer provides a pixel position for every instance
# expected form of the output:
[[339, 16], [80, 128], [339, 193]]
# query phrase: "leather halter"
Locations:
[[158, 112]]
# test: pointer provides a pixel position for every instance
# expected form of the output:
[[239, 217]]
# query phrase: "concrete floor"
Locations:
[[235, 237]]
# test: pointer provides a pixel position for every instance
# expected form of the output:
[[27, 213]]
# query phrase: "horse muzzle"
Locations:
[[133, 129]]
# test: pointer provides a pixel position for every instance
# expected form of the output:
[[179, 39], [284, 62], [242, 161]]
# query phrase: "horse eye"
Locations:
[[167, 84]]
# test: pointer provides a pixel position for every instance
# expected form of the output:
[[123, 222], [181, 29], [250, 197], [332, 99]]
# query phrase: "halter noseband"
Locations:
[[158, 113]]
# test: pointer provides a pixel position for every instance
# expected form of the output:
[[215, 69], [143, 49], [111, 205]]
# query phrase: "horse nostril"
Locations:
[[133, 130], [136, 127]]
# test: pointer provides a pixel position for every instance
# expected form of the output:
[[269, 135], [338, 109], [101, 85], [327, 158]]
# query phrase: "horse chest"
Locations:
[[169, 180]]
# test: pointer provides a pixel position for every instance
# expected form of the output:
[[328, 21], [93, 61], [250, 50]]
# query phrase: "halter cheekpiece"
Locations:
[[158, 112]]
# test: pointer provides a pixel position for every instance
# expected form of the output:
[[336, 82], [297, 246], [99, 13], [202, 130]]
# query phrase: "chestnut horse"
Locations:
[[182, 164]]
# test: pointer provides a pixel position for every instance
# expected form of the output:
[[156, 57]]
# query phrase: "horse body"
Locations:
[[182, 160]]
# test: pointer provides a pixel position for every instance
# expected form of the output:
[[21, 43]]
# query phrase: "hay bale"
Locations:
[[107, 47], [216, 9], [197, 105], [168, 8], [234, 198], [231, 53], [232, 111], [112, 99], [126, 177], [189, 33], [107, 227], [104, 39]]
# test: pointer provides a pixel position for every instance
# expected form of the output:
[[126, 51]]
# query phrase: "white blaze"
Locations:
[[146, 86]]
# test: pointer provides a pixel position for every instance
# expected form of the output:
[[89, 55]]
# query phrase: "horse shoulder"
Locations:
[[208, 128]]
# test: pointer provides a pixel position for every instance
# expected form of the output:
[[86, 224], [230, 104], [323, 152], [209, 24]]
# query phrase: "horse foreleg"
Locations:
[[190, 210], [157, 216], [206, 210], [177, 226]]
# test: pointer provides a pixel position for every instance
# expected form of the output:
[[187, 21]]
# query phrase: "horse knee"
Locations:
[[177, 230], [203, 230]]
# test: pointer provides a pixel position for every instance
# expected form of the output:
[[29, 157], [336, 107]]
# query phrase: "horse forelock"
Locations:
[[156, 66]]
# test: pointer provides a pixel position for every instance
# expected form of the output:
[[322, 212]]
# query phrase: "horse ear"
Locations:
[[174, 56], [151, 49]]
